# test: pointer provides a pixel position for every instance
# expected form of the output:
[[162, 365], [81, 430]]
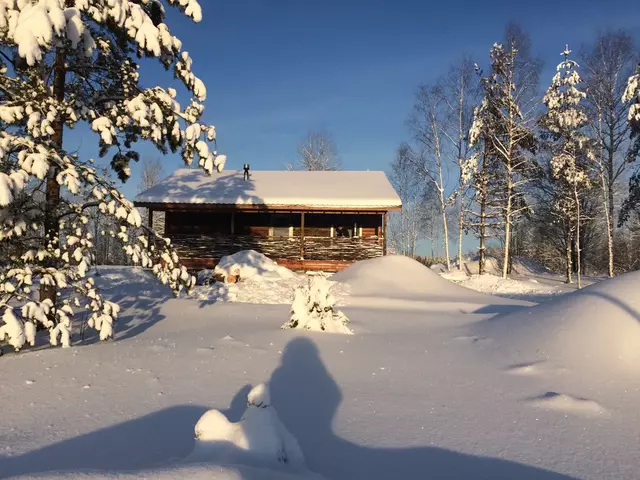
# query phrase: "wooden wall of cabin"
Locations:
[[211, 235]]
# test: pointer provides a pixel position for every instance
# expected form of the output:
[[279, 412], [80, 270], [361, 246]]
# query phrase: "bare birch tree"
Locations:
[[608, 63], [415, 221], [317, 151], [459, 93], [429, 162], [151, 172]]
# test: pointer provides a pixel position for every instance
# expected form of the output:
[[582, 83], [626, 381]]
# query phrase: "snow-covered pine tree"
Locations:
[[313, 308], [564, 123], [63, 62], [508, 139]]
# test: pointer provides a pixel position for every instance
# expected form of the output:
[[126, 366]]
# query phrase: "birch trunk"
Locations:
[[578, 261], [569, 263], [483, 217]]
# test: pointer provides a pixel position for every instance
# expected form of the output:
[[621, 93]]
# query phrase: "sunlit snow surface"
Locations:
[[438, 381]]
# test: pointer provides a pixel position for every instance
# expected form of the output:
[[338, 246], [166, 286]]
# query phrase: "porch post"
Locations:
[[233, 223], [302, 236], [384, 233], [150, 223]]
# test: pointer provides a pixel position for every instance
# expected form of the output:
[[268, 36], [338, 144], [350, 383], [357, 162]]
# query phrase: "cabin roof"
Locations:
[[317, 189]]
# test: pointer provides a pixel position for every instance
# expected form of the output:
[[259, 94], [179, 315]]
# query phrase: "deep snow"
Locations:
[[433, 384]]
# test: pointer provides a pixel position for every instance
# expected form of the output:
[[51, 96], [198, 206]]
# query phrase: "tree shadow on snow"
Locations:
[[140, 302], [154, 440]]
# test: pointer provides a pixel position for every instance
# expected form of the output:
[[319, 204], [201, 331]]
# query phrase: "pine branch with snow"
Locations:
[[68, 62], [632, 97], [314, 309]]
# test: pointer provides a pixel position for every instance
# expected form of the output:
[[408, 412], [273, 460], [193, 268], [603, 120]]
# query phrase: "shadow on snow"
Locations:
[[306, 398]]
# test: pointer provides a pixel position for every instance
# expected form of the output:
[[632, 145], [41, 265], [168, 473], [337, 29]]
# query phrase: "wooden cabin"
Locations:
[[320, 220]]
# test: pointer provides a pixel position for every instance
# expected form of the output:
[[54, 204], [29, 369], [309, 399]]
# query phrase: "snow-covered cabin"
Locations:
[[320, 220]]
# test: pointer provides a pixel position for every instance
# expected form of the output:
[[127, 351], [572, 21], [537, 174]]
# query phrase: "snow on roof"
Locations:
[[354, 189]]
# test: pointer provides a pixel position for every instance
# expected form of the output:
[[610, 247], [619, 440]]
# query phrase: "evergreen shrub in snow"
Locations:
[[70, 62], [314, 309]]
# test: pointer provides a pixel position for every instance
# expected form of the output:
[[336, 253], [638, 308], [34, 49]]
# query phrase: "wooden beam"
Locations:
[[384, 234], [302, 236], [191, 207], [150, 223]]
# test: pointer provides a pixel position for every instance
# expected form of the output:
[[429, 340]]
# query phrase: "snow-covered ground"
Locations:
[[528, 280], [438, 381]]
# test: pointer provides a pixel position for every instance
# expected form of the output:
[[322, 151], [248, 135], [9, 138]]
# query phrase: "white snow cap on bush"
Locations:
[[250, 264], [314, 309], [259, 433], [12, 330]]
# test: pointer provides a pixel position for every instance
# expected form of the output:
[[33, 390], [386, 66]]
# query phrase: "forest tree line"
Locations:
[[548, 172]]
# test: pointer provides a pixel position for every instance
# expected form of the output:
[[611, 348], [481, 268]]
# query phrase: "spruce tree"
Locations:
[[508, 140], [571, 150]]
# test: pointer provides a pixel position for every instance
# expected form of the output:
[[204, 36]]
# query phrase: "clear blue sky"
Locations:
[[278, 68]]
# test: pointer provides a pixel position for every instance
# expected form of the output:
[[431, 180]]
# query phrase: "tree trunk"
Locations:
[[578, 252], [569, 263], [483, 217], [446, 237], [460, 232], [51, 226], [507, 228], [609, 220]]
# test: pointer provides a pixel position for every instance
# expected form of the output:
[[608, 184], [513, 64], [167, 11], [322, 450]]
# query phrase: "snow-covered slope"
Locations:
[[596, 329], [401, 282]]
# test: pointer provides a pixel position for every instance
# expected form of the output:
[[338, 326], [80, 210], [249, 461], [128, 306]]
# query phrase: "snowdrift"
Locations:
[[493, 265], [249, 264], [596, 329], [402, 278]]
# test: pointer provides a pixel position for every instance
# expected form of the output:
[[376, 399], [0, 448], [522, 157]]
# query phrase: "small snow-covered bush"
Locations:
[[314, 309], [260, 433]]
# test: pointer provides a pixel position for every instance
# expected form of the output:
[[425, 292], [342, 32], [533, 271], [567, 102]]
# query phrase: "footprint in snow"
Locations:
[[535, 368], [158, 348], [205, 350], [473, 339], [564, 403], [531, 368]]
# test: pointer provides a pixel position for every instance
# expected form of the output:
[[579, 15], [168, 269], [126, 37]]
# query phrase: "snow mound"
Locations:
[[567, 404], [493, 265], [438, 268], [259, 433], [401, 278], [595, 330], [249, 264], [454, 275], [494, 284]]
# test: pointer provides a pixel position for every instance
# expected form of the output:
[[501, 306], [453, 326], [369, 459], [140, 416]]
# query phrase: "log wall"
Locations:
[[330, 249]]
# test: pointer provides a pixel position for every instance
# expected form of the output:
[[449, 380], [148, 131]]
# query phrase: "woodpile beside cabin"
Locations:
[[304, 220]]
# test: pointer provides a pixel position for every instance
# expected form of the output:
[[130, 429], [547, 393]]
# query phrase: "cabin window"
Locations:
[[203, 223], [266, 224]]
